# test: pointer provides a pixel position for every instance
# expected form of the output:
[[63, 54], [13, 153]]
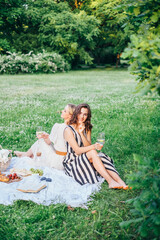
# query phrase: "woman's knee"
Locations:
[[91, 153]]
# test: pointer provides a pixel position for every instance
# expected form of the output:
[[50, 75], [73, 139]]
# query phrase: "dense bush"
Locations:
[[31, 63], [146, 206], [143, 52], [142, 25]]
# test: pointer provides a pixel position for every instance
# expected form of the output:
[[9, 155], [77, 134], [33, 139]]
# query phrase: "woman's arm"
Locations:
[[45, 136], [47, 140], [86, 137], [69, 137]]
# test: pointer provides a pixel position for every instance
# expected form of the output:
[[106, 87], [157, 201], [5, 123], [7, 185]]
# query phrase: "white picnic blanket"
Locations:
[[62, 189]]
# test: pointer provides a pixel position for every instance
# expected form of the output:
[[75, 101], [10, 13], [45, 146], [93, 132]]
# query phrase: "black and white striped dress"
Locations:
[[79, 167]]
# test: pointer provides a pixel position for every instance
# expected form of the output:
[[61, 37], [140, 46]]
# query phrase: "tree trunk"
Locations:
[[118, 59]]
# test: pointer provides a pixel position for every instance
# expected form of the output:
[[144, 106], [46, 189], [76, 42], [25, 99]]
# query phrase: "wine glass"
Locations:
[[39, 131], [101, 138]]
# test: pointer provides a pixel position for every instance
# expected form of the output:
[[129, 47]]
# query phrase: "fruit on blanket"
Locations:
[[43, 178], [48, 180], [10, 176], [39, 171], [13, 176]]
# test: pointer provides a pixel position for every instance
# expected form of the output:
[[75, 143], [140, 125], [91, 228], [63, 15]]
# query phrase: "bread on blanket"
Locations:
[[4, 178]]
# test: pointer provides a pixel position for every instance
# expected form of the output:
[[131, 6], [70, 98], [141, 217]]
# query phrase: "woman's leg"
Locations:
[[116, 177], [98, 165], [29, 153]]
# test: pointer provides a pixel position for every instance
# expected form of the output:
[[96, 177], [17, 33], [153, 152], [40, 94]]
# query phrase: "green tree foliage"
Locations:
[[145, 207], [11, 21], [142, 24], [84, 30], [72, 35], [53, 26], [112, 39], [76, 4]]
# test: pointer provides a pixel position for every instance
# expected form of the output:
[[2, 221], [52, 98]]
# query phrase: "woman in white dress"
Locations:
[[50, 149]]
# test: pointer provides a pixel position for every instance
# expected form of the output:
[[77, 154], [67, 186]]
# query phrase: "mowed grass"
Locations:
[[131, 125]]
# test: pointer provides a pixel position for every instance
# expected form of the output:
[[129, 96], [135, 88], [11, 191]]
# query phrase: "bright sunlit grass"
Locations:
[[130, 124]]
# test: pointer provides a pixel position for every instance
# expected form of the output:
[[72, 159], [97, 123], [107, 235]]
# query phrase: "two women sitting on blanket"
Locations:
[[73, 151]]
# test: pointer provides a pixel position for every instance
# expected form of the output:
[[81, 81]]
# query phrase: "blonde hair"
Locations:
[[71, 108]]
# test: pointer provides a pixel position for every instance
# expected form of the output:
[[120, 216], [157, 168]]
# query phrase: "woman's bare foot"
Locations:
[[20, 154], [122, 183], [113, 184]]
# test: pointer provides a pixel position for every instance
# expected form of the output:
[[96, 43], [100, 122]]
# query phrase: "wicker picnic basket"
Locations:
[[5, 164]]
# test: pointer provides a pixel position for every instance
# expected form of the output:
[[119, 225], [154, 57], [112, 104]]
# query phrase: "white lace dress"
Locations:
[[48, 157]]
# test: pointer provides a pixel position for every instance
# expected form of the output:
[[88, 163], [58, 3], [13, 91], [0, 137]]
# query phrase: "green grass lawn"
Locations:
[[129, 121]]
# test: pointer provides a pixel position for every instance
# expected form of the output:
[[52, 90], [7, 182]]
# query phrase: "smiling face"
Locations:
[[82, 116]]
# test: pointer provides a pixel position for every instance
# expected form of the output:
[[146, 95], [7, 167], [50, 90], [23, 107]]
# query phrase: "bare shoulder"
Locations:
[[68, 134], [68, 131]]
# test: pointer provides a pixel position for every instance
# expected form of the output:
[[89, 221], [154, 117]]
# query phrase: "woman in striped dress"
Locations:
[[82, 161]]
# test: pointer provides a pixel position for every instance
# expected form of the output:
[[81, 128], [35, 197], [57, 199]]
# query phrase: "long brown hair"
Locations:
[[77, 111]]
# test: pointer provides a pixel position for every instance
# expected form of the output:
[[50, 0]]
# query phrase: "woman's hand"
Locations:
[[98, 146], [46, 138], [44, 135], [81, 128]]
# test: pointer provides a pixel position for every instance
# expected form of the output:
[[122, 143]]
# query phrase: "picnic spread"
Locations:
[[42, 185]]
